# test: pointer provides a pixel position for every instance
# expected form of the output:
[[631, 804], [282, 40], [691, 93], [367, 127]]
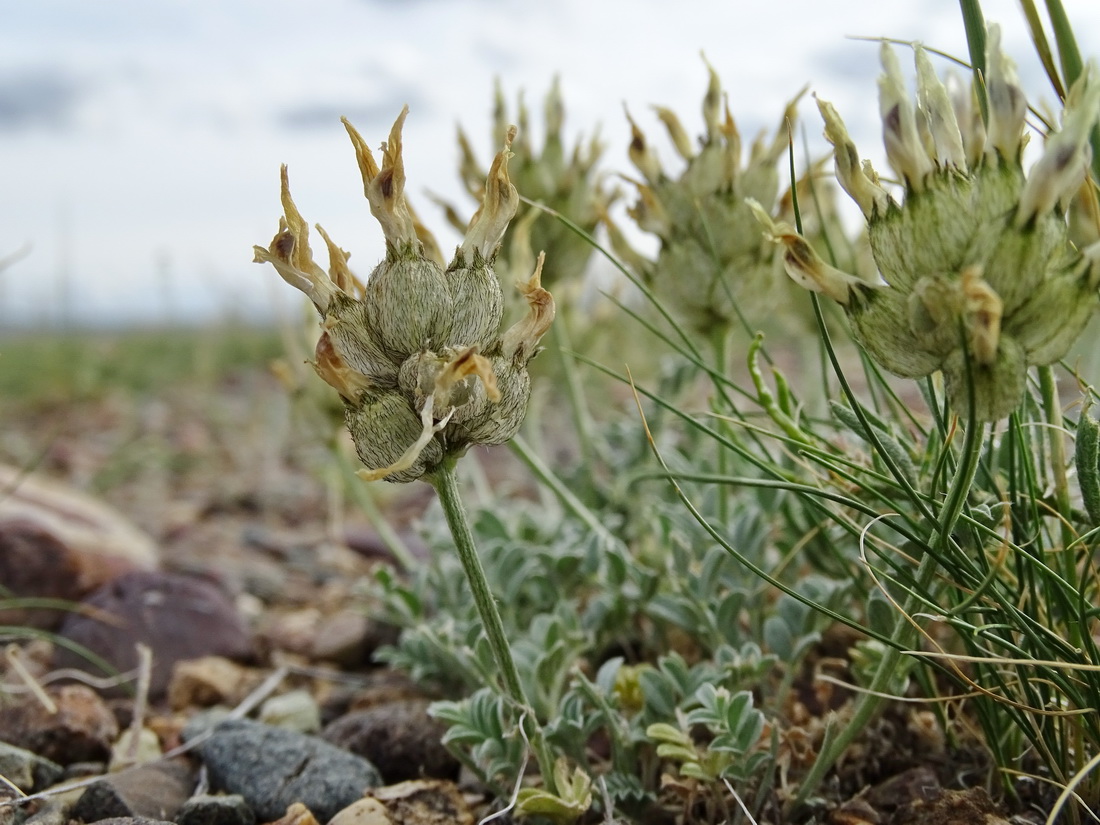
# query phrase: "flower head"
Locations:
[[561, 177], [416, 352], [712, 263], [979, 277]]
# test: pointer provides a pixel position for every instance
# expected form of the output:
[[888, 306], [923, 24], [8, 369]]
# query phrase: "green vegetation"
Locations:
[[48, 366]]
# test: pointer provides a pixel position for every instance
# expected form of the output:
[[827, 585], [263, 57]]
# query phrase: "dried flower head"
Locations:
[[417, 353], [980, 278]]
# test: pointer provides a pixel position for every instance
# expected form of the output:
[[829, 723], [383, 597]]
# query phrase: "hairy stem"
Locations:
[[445, 482]]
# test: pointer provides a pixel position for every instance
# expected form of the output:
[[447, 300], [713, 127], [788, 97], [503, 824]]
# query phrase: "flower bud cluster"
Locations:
[[416, 352], [980, 277], [563, 180], [712, 262]]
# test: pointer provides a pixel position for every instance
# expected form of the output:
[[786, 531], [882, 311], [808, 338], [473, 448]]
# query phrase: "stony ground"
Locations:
[[244, 585]]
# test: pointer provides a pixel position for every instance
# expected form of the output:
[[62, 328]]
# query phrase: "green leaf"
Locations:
[[1087, 459]]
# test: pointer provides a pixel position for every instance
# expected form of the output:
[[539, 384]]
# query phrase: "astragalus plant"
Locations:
[[979, 277], [680, 620], [985, 274], [417, 353]]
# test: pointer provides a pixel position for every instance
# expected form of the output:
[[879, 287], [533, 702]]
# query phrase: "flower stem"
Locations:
[[445, 482]]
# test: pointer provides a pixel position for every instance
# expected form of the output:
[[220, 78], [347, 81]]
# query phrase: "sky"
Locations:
[[140, 142]]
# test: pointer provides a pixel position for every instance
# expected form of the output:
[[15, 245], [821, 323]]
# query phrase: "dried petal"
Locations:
[[936, 104], [1007, 103], [901, 137], [858, 181], [519, 343], [498, 207]]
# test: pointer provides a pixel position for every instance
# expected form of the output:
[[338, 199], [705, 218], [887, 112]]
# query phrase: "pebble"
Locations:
[[399, 738], [125, 753], [273, 768], [156, 791], [56, 542], [177, 617], [296, 814], [208, 681], [81, 730], [296, 710], [418, 802], [365, 811], [342, 639], [210, 809], [26, 770]]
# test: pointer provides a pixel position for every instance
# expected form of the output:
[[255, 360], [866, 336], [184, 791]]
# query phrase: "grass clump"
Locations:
[[724, 609]]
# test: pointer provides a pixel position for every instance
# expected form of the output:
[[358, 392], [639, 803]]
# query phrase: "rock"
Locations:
[[273, 768], [424, 802], [10, 813], [295, 630], [58, 543], [133, 820], [365, 811], [156, 791], [52, 812], [296, 814], [970, 807], [26, 770], [342, 639], [209, 681], [296, 710], [398, 738], [82, 729], [126, 753], [207, 809], [177, 617]]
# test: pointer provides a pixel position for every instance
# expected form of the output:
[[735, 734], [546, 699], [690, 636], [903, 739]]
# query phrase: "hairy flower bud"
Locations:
[[417, 353], [980, 278], [712, 265]]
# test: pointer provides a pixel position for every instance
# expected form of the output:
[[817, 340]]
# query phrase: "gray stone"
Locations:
[[273, 768], [399, 738], [208, 809], [156, 791], [26, 770]]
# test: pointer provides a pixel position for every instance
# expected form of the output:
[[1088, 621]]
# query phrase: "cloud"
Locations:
[[308, 116], [38, 99]]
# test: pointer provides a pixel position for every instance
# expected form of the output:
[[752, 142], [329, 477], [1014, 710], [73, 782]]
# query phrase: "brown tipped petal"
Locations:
[[465, 364], [520, 340], [851, 175], [336, 372], [901, 136], [386, 192], [641, 155], [338, 269], [801, 262], [498, 207], [1058, 174], [283, 254], [368, 168], [676, 132], [983, 316]]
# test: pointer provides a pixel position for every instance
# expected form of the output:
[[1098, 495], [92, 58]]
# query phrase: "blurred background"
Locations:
[[140, 142]]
